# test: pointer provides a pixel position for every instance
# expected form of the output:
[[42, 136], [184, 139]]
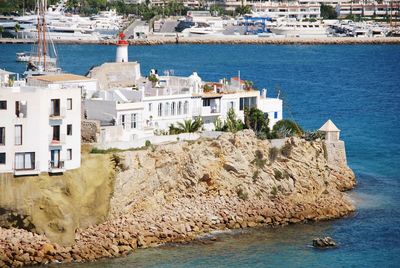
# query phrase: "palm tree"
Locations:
[[190, 126], [17, 28]]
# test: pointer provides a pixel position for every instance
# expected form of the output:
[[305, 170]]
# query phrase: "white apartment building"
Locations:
[[40, 128], [369, 10], [295, 10]]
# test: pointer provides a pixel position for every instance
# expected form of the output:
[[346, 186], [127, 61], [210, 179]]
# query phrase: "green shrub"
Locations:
[[259, 160], [242, 194], [313, 135], [286, 149], [255, 175], [273, 154], [118, 162], [286, 128], [278, 174], [147, 143], [274, 191]]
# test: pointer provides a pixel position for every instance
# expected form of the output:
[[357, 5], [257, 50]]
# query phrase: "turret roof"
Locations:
[[329, 126]]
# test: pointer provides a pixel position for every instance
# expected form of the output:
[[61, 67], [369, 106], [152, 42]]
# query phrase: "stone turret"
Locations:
[[334, 147], [331, 131]]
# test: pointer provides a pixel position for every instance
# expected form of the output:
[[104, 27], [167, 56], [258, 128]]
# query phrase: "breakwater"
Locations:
[[226, 40]]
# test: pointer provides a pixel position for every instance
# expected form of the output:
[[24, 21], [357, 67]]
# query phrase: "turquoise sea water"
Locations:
[[358, 87]]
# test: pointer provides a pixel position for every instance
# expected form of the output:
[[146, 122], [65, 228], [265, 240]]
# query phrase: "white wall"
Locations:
[[36, 126]]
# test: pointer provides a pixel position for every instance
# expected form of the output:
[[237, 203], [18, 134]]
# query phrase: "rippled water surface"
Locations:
[[357, 86]]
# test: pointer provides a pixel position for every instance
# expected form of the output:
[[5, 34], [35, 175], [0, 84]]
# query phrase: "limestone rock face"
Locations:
[[233, 169], [174, 193], [57, 205]]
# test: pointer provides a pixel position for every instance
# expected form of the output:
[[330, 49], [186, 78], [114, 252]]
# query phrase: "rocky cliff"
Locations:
[[176, 192]]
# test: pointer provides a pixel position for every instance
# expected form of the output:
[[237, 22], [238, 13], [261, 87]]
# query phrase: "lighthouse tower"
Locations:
[[122, 49]]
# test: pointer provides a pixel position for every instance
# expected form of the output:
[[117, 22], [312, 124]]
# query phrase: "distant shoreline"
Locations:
[[229, 40]]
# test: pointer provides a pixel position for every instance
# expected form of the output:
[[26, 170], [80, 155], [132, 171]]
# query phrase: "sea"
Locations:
[[357, 86]]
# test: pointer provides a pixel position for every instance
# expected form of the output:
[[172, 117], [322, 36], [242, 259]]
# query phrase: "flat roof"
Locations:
[[60, 78]]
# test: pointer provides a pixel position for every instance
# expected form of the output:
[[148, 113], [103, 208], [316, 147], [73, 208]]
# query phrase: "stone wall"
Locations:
[[335, 153], [89, 131]]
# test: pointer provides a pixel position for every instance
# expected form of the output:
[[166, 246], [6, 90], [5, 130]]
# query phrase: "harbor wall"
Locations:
[[230, 40]]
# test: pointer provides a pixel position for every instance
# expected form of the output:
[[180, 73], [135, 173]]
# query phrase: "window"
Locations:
[[206, 102], [69, 154], [24, 161], [160, 109], [231, 105], [69, 129], [173, 107], [55, 159], [2, 136], [247, 102], [55, 107], [166, 110], [186, 107], [3, 105], [150, 107], [18, 134], [56, 133], [133, 120], [20, 109], [275, 115], [123, 121], [2, 158], [69, 104], [179, 108]]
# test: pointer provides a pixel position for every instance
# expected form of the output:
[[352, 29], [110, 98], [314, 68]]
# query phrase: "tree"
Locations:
[[190, 126], [17, 28], [256, 120], [233, 124], [243, 9], [328, 12], [286, 128]]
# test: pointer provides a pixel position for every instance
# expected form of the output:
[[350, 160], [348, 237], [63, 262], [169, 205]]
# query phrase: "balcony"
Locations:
[[57, 141], [27, 171], [56, 167], [210, 110], [57, 114]]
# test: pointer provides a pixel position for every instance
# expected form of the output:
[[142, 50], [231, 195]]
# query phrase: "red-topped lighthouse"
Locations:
[[122, 49]]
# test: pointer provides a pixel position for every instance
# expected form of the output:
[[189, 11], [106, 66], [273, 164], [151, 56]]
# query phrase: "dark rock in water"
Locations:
[[326, 242]]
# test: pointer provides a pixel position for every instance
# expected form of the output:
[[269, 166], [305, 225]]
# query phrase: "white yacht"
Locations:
[[299, 28]]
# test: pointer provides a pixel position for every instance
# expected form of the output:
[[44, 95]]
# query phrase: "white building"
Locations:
[[132, 107], [295, 10], [40, 127], [369, 9], [86, 85]]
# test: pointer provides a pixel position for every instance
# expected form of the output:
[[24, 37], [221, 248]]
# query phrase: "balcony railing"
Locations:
[[57, 115], [56, 167], [207, 110], [57, 141]]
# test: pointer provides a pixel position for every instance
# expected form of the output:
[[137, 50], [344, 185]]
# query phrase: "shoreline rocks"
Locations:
[[177, 192], [325, 242]]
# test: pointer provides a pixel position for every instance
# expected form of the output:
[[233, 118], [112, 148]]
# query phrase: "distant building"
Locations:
[[369, 10], [40, 127], [295, 10], [139, 107]]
